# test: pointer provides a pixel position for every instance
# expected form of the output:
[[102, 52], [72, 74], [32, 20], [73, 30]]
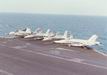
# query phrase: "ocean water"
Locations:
[[80, 26]]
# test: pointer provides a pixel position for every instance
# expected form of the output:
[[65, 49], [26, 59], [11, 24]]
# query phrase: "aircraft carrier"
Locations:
[[34, 57]]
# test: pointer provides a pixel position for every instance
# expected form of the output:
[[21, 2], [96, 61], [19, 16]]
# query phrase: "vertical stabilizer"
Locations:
[[38, 30], [93, 38], [28, 30], [66, 34], [47, 32]]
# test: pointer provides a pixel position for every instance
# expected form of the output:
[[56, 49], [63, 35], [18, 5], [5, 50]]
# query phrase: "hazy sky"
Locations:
[[79, 7]]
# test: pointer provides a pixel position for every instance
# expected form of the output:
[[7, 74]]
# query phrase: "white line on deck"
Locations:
[[5, 72], [66, 59]]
